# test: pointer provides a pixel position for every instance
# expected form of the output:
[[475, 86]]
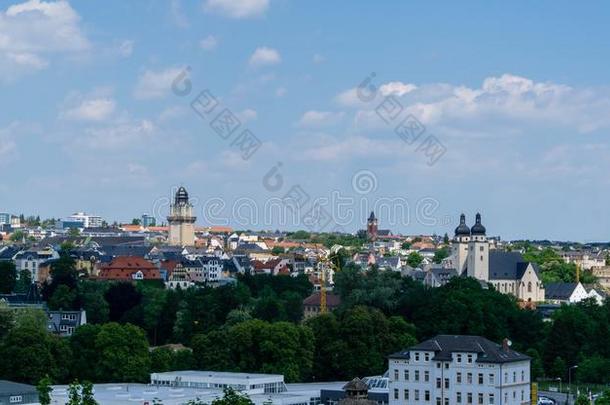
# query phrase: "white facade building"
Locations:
[[88, 221], [455, 370]]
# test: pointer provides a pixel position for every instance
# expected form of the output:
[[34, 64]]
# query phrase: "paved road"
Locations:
[[560, 398]]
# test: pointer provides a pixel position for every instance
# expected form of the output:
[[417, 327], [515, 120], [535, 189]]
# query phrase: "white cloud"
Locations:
[[208, 43], [8, 139], [237, 8], [315, 118], [317, 58], [265, 56], [177, 14], [117, 136], [281, 91], [126, 48], [396, 88], [155, 84], [247, 115], [507, 101], [172, 113], [97, 109], [33, 30]]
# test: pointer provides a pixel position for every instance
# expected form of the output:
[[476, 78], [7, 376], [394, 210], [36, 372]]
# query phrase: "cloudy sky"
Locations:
[[97, 111]]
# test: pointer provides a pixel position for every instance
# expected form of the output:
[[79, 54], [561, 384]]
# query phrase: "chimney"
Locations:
[[505, 344]]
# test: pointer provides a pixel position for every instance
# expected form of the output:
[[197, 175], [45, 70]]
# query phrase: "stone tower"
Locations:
[[460, 245], [478, 251], [371, 228], [181, 220]]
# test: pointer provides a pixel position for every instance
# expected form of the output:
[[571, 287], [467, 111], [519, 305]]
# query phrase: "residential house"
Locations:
[[31, 259], [438, 276], [17, 393], [127, 268], [64, 323], [570, 293], [312, 304]]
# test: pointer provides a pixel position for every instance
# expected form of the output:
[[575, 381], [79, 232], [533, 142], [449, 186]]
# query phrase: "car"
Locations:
[[546, 401]]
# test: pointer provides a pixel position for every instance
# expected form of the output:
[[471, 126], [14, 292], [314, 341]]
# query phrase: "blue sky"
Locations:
[[517, 93]]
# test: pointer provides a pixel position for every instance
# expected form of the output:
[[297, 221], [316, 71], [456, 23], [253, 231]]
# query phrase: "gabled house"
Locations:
[[128, 268], [64, 323], [568, 293]]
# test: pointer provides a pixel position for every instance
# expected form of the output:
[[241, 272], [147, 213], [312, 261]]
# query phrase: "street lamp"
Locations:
[[570, 382]]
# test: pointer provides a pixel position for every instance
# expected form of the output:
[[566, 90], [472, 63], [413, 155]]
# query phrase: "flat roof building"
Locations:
[[245, 382]]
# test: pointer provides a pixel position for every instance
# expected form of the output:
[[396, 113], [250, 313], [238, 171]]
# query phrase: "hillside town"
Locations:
[[75, 269]]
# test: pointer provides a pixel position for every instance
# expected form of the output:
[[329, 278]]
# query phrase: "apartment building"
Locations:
[[451, 369]]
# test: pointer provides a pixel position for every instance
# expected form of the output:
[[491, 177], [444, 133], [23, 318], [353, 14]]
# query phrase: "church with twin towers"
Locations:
[[508, 272]]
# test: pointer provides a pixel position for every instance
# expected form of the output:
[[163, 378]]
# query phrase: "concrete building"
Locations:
[[5, 218], [448, 370], [148, 220], [181, 220], [16, 393], [244, 382], [31, 260], [88, 221]]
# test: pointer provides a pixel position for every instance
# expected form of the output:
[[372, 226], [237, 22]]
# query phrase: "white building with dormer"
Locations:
[[455, 370]]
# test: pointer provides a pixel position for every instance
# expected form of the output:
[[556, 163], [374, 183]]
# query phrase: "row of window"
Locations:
[[469, 358], [460, 397], [491, 377]]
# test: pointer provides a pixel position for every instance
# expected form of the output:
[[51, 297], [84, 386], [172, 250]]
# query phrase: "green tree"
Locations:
[[595, 369], [17, 236], [7, 319], [73, 232], [277, 250], [87, 397], [123, 351], [136, 221], [63, 298], [232, 397], [582, 400], [8, 277], [414, 259], [44, 390], [85, 352], [24, 281], [441, 254], [300, 235], [558, 369], [74, 393]]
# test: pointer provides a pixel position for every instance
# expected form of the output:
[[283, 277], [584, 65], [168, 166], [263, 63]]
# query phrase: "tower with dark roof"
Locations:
[[181, 220], [478, 251], [371, 227], [460, 244]]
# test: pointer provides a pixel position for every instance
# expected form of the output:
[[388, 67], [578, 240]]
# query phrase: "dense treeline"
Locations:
[[256, 326]]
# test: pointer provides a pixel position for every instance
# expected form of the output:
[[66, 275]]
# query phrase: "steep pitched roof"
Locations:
[[559, 291], [508, 265], [444, 345]]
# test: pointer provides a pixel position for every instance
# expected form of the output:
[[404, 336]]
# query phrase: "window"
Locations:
[[459, 358], [416, 375], [15, 399], [522, 395], [506, 377], [438, 365], [446, 401], [446, 366], [469, 398], [416, 394], [458, 398], [492, 379], [514, 376], [426, 356], [438, 383], [480, 378], [406, 375], [480, 398], [395, 393], [529, 286], [427, 396], [416, 356], [438, 401], [469, 378], [458, 378], [446, 383], [426, 376], [522, 375], [470, 358], [491, 399], [396, 375], [406, 393]]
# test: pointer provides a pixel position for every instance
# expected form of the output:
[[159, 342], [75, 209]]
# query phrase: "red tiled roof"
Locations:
[[123, 267]]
